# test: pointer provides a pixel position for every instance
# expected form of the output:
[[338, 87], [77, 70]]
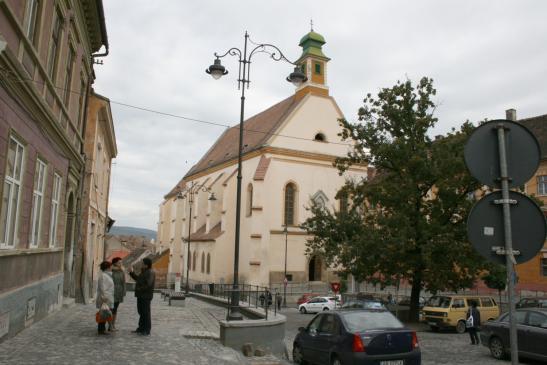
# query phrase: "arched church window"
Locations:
[[208, 263], [344, 203], [249, 200], [290, 199], [320, 137], [203, 262]]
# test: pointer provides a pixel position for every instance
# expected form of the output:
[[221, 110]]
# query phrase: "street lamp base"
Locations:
[[235, 314]]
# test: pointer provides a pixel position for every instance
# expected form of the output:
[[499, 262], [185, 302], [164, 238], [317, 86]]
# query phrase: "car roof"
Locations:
[[534, 298]]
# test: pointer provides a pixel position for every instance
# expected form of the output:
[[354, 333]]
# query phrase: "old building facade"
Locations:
[[46, 69], [288, 161]]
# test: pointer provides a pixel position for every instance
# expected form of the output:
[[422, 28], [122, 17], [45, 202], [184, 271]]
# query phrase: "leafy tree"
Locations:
[[409, 221], [496, 278]]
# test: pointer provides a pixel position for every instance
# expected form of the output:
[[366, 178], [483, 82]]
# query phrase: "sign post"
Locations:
[[503, 154]]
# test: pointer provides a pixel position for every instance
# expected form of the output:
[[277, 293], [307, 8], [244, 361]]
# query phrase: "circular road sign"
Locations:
[[482, 154], [485, 227]]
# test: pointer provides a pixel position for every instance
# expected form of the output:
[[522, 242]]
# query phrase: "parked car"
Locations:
[[317, 304], [531, 334], [450, 311], [532, 303], [305, 298], [363, 304], [369, 336]]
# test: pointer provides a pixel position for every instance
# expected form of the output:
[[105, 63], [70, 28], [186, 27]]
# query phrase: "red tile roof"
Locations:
[[201, 236], [257, 130], [262, 168]]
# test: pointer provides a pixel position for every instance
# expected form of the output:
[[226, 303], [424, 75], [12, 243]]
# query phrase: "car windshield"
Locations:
[[439, 302], [362, 321]]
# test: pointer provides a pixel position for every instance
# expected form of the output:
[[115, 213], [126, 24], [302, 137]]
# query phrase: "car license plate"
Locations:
[[432, 323], [393, 362]]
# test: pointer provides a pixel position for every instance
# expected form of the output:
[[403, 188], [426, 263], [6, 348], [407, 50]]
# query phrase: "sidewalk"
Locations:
[[179, 336]]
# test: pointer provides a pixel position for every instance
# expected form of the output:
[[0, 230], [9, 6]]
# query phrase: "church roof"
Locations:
[[257, 130], [312, 44]]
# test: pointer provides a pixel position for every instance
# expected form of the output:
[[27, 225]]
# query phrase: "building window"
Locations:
[[290, 197], [11, 194], [68, 79], [194, 258], [249, 200], [37, 202], [55, 198], [81, 101], [317, 67], [544, 266], [343, 203], [320, 137], [208, 263], [542, 185], [54, 46], [32, 20], [202, 262]]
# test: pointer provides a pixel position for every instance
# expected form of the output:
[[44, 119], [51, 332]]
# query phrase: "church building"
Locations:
[[288, 156]]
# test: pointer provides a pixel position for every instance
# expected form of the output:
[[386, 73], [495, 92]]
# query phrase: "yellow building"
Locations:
[[289, 150]]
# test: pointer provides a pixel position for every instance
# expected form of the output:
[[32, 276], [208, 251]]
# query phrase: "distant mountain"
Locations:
[[132, 231]]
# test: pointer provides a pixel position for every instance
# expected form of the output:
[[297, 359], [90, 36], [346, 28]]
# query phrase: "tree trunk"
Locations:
[[414, 314]]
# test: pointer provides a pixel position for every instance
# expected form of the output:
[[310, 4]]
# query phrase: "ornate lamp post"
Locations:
[[194, 188], [216, 70]]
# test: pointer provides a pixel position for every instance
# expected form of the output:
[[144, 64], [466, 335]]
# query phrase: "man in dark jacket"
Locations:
[[473, 325], [144, 291]]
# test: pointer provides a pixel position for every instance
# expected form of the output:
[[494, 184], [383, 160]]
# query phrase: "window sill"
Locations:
[[27, 251]]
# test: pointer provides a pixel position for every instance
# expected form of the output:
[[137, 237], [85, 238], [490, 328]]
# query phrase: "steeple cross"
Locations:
[[311, 24]]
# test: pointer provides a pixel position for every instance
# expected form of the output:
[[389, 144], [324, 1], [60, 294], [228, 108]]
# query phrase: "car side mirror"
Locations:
[[313, 332]]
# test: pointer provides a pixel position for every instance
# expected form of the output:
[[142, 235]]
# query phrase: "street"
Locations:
[[447, 347]]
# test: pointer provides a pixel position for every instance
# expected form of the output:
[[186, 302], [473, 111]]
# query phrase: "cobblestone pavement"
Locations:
[[437, 348], [179, 336]]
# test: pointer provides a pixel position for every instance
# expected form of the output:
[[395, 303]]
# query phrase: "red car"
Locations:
[[305, 298]]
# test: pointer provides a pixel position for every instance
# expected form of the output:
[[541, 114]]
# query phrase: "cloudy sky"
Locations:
[[485, 57]]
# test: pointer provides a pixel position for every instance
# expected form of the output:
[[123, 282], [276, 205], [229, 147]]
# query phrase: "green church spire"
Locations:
[[312, 44]]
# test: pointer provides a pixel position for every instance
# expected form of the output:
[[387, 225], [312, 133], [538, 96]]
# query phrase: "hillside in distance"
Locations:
[[132, 231]]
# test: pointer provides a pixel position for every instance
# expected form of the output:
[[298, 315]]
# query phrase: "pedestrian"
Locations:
[[105, 294], [118, 276], [473, 323], [269, 296], [144, 291], [262, 299], [278, 299]]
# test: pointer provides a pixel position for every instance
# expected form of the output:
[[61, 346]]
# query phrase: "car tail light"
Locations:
[[415, 343], [358, 343]]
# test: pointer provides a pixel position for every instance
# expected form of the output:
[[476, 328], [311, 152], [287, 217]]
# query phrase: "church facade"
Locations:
[[289, 150]]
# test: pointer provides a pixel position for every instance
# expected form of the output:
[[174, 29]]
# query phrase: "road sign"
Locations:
[[335, 287], [486, 233], [285, 281], [482, 153]]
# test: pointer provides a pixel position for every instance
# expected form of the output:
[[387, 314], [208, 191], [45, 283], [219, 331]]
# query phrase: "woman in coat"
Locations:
[[105, 292], [118, 276]]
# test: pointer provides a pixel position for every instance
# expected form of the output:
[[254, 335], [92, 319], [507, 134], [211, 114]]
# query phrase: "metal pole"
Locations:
[[285, 275], [191, 202], [509, 258], [235, 313]]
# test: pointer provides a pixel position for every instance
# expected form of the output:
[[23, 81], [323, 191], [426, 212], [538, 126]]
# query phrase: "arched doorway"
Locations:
[[315, 267], [68, 285]]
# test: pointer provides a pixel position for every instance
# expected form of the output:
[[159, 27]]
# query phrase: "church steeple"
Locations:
[[314, 65]]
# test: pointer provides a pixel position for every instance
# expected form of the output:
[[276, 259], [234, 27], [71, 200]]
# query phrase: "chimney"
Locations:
[[511, 114]]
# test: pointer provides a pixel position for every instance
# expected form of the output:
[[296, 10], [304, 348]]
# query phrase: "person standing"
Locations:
[[144, 291], [118, 276], [105, 293], [473, 323], [278, 300]]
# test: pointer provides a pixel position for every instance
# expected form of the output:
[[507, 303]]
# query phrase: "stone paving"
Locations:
[[180, 335]]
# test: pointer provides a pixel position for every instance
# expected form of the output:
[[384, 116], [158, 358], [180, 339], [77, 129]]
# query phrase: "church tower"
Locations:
[[314, 65]]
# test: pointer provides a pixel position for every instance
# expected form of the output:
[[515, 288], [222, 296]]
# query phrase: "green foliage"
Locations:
[[496, 278], [409, 222]]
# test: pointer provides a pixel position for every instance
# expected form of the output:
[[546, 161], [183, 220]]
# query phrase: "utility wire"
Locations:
[[16, 78]]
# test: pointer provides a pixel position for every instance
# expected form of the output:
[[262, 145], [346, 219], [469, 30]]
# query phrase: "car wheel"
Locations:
[[335, 361], [434, 328], [325, 309], [460, 327], [297, 356], [303, 310], [496, 348]]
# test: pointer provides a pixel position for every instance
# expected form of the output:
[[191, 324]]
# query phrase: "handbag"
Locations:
[[469, 322], [105, 313]]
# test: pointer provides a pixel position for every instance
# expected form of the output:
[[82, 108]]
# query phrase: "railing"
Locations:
[[250, 296]]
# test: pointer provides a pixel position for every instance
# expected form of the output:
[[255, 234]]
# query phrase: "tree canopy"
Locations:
[[409, 221]]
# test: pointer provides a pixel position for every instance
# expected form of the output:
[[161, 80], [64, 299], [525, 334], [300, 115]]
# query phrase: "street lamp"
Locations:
[[216, 70], [285, 281], [194, 188]]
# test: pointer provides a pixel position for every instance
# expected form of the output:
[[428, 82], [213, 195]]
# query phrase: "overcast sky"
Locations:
[[484, 56]]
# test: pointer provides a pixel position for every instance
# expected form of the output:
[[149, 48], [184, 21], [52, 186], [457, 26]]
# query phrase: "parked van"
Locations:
[[450, 311]]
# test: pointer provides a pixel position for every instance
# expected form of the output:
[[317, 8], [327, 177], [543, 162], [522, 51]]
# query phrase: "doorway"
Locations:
[[315, 267]]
